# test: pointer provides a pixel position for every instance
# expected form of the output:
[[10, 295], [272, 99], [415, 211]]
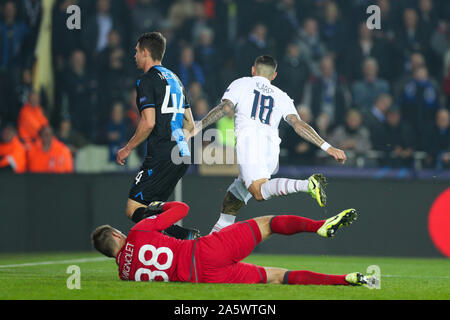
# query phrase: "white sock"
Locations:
[[224, 221], [283, 187]]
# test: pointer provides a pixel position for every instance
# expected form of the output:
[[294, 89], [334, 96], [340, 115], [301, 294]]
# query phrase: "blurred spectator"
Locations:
[[114, 42], [189, 70], [14, 102], [287, 22], [410, 38], [132, 111], [171, 57], [112, 83], [12, 151], [118, 131], [209, 59], [352, 136], [441, 45], [78, 87], [49, 155], [446, 85], [323, 125], [299, 151], [72, 139], [32, 14], [227, 74], [360, 50], [332, 28], [399, 147], [255, 45], [24, 87], [261, 11], [438, 141], [96, 29], [428, 19], [327, 93], [419, 102], [416, 61], [8, 101], [388, 19], [13, 34], [195, 92], [198, 23], [200, 109], [64, 40], [371, 86], [146, 16], [428, 22], [12, 38], [375, 121], [31, 119], [181, 11], [311, 45], [293, 73]]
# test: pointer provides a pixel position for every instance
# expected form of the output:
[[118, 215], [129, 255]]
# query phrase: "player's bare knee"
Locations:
[[264, 226], [275, 275]]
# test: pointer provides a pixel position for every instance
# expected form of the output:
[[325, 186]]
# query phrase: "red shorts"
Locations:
[[218, 256]]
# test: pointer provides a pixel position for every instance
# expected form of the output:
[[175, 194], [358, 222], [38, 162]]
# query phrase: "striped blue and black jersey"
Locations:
[[161, 89]]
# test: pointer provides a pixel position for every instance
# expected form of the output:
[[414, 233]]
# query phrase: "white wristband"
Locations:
[[325, 146]]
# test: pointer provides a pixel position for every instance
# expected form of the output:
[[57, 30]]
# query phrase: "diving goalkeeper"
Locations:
[[146, 254]]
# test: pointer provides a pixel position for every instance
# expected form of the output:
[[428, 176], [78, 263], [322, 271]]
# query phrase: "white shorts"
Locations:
[[257, 158]]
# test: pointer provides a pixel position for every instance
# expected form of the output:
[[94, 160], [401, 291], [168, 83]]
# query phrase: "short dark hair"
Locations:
[[267, 60], [103, 241], [155, 43]]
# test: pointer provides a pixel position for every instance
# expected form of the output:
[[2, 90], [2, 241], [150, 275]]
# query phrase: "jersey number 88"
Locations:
[[154, 262]]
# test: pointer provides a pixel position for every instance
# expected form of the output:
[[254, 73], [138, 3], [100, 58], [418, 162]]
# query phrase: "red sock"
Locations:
[[289, 225], [312, 278]]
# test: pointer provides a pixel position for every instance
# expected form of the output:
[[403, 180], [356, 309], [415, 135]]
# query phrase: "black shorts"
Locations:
[[156, 180]]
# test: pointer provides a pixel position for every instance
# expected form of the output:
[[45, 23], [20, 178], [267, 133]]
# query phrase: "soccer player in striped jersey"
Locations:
[[165, 113]]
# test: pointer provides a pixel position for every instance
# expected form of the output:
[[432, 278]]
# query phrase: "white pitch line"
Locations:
[[414, 277], [32, 264]]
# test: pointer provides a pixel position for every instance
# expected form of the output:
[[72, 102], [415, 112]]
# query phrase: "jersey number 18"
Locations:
[[262, 107]]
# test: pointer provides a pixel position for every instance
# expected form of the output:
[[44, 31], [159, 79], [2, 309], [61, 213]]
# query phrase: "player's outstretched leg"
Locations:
[[331, 225], [315, 186], [289, 224], [304, 277]]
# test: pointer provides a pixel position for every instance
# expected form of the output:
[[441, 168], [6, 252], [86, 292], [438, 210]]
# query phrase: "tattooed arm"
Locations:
[[305, 131], [217, 113], [225, 107]]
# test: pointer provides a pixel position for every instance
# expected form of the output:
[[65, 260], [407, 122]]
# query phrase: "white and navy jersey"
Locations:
[[260, 106], [160, 88]]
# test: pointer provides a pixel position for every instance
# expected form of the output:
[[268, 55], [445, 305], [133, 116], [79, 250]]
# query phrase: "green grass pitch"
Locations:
[[44, 277]]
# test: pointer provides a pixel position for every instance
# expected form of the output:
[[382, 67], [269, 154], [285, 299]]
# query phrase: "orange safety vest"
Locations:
[[30, 121], [58, 159], [13, 154]]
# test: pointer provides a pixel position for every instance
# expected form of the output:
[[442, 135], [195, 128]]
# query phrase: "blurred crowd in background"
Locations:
[[381, 95]]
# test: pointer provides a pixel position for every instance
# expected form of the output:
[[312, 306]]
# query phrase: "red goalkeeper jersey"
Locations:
[[149, 255]]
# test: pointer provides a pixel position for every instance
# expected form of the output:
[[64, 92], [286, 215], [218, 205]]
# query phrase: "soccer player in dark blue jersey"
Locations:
[[165, 113]]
